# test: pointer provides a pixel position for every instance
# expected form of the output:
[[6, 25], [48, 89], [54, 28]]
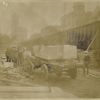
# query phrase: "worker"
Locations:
[[20, 56], [86, 61], [8, 54]]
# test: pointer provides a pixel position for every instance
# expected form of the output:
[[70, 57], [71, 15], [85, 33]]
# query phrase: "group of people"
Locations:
[[16, 55], [24, 59]]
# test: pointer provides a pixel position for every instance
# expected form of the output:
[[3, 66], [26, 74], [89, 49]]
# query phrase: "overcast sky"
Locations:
[[52, 10], [49, 11]]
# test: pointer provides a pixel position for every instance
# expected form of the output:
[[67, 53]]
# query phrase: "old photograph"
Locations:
[[49, 49]]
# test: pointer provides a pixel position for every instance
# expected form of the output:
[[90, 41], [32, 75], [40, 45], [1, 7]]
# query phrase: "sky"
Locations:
[[46, 12]]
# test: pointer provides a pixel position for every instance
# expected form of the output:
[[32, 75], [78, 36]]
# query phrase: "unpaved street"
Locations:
[[83, 86]]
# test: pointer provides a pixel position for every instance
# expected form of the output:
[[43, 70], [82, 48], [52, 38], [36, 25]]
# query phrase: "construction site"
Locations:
[[59, 61]]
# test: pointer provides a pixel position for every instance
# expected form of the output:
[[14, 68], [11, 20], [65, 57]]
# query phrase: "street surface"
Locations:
[[82, 87]]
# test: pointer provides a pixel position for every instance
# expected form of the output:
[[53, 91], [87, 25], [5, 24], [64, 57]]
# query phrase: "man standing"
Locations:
[[86, 61], [20, 56], [8, 54]]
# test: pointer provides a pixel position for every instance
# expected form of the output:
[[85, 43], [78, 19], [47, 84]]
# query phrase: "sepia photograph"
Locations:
[[49, 49]]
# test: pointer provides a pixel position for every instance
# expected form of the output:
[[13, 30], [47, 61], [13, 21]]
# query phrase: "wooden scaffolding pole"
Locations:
[[92, 42]]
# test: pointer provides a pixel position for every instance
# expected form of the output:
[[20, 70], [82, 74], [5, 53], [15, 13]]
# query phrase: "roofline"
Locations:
[[82, 26]]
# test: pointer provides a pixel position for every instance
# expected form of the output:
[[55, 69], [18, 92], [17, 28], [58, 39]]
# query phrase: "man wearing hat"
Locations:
[[86, 61]]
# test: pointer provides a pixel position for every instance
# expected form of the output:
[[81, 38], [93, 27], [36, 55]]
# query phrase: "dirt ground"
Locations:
[[83, 86]]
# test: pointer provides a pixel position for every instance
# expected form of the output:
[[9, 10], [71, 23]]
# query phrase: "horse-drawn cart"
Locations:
[[57, 59]]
